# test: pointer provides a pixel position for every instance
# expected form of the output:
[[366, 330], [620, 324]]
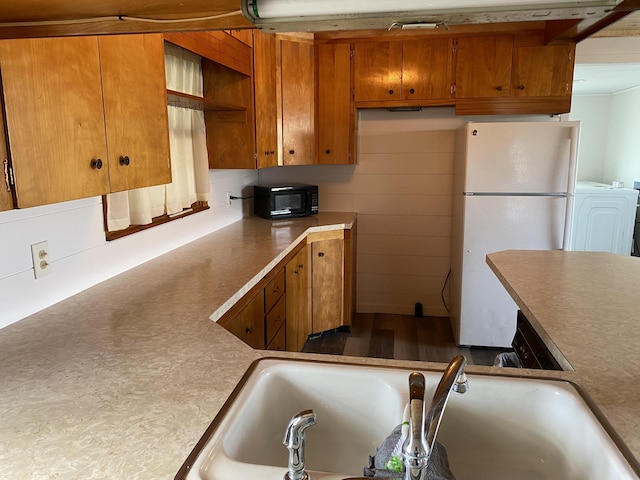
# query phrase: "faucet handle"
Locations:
[[462, 384]]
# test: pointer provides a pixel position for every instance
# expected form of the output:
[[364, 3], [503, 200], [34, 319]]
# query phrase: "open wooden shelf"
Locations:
[[184, 100]]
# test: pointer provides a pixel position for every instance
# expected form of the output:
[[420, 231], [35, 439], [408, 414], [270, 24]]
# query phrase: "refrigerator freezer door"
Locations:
[[526, 157], [487, 315]]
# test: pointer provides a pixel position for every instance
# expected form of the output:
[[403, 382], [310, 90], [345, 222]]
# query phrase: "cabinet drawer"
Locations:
[[275, 318], [279, 341], [273, 291]]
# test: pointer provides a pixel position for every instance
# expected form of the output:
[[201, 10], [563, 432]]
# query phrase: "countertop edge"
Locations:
[[226, 306]]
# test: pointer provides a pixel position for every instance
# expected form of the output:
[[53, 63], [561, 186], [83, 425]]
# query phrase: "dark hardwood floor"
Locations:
[[401, 337]]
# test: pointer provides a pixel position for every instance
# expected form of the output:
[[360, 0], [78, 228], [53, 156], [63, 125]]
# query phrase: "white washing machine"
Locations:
[[603, 218]]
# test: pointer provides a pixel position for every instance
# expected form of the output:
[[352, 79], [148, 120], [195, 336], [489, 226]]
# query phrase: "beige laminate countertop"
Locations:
[[121, 380], [585, 305]]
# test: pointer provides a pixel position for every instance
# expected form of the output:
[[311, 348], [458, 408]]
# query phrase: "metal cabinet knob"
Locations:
[[390, 91], [249, 330], [125, 160], [413, 90], [96, 163], [499, 88], [321, 254], [327, 151], [521, 87], [292, 152]]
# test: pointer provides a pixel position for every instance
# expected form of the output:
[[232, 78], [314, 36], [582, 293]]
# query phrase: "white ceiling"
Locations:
[[606, 78]]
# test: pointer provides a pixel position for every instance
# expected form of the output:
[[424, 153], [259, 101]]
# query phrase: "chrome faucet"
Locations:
[[423, 429], [294, 441]]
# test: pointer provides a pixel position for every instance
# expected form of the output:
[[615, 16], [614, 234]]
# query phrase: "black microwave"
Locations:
[[285, 201]]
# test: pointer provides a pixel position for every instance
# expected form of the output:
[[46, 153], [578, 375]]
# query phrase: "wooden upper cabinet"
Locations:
[[427, 69], [335, 108], [297, 83], [483, 67], [135, 108], [543, 71], [76, 107], [266, 98], [419, 71], [377, 71], [517, 74], [55, 120]]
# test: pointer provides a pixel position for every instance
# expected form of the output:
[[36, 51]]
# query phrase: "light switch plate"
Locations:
[[41, 259]]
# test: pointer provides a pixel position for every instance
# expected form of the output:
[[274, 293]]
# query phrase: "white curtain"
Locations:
[[188, 146]]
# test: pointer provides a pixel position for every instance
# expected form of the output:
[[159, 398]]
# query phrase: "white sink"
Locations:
[[502, 428]]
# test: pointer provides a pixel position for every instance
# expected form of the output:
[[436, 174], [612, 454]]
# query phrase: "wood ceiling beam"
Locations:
[[45, 18], [559, 31]]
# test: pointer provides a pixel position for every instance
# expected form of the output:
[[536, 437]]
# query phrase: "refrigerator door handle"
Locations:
[[517, 194], [571, 187]]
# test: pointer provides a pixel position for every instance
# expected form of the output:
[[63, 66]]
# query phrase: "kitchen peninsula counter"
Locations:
[[120, 381], [585, 306]]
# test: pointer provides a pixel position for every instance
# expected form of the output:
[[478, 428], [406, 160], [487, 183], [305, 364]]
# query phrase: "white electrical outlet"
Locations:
[[41, 259], [228, 199]]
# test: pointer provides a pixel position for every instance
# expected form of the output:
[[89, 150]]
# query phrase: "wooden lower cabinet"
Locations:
[[327, 260], [311, 291], [298, 314], [332, 279], [248, 325]]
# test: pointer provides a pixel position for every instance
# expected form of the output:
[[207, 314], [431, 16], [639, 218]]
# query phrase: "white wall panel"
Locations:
[[80, 255], [401, 189]]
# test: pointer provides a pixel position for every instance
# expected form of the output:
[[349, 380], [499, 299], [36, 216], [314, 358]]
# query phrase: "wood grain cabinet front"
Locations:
[[298, 314], [248, 324], [335, 107], [407, 73], [297, 84], [85, 116], [332, 277], [311, 290], [513, 74], [135, 109]]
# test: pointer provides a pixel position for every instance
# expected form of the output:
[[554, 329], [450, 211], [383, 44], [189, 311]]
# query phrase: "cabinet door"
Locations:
[[133, 82], [55, 119], [543, 71], [253, 322], [336, 113], [297, 307], [377, 71], [427, 69], [327, 267], [483, 67], [298, 100], [275, 319], [6, 198], [265, 87]]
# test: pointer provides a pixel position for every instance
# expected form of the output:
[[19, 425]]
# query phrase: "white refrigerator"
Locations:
[[513, 189]]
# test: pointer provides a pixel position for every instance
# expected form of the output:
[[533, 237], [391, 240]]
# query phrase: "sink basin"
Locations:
[[502, 428]]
